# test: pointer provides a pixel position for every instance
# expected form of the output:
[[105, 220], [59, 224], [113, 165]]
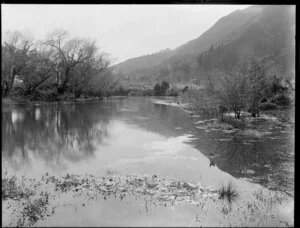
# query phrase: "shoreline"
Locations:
[[13, 101], [283, 116], [28, 201]]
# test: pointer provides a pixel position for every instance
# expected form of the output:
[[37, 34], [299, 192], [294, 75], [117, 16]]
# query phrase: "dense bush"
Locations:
[[160, 90], [281, 100], [172, 92]]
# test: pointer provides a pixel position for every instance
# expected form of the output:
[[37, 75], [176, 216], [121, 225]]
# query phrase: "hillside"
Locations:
[[220, 32], [141, 62], [257, 31]]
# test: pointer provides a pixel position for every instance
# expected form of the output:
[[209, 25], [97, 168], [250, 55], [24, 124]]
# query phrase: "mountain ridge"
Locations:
[[249, 31]]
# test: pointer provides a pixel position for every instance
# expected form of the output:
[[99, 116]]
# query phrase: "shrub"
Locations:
[[268, 106], [264, 100], [172, 92], [281, 100]]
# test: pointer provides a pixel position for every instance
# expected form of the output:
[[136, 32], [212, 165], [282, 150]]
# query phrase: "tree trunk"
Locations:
[[12, 79], [4, 88], [238, 115], [62, 88]]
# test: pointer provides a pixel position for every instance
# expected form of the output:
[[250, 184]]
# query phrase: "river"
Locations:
[[140, 136]]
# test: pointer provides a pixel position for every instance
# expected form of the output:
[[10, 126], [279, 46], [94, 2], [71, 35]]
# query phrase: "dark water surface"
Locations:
[[135, 135]]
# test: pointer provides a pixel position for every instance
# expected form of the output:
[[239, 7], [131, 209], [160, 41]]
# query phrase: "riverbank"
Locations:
[[280, 118], [31, 202], [12, 101]]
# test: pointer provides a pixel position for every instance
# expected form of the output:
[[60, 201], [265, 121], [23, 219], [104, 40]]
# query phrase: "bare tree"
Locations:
[[234, 92], [68, 54], [257, 83], [96, 66], [15, 51], [38, 69]]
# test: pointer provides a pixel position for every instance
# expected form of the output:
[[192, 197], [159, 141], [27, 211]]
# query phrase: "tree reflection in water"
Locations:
[[242, 150], [53, 133], [246, 156]]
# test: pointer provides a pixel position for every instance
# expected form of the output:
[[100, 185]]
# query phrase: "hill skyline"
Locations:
[[256, 31]]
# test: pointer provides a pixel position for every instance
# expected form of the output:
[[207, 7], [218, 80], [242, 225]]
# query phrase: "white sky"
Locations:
[[124, 31]]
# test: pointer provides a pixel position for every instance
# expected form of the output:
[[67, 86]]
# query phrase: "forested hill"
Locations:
[[255, 32]]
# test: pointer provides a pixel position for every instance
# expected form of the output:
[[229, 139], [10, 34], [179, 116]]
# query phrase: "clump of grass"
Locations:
[[34, 210], [12, 190], [67, 183], [228, 192]]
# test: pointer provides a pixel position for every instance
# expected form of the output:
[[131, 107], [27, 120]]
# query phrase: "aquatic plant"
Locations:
[[228, 192]]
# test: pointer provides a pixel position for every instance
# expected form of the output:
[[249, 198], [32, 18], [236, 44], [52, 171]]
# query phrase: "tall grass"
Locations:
[[228, 192]]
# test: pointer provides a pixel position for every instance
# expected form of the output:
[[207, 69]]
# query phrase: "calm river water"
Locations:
[[136, 135]]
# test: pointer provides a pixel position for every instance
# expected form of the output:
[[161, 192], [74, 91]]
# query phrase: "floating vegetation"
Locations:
[[158, 188], [25, 199], [31, 197], [48, 193], [11, 189]]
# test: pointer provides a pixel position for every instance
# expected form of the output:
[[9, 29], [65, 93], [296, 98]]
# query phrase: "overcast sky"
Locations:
[[124, 31]]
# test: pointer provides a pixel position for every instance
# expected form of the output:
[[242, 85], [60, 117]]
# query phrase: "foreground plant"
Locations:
[[228, 192]]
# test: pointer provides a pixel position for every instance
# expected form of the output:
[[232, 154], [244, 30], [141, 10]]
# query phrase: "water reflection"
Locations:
[[52, 133], [258, 159], [267, 160]]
